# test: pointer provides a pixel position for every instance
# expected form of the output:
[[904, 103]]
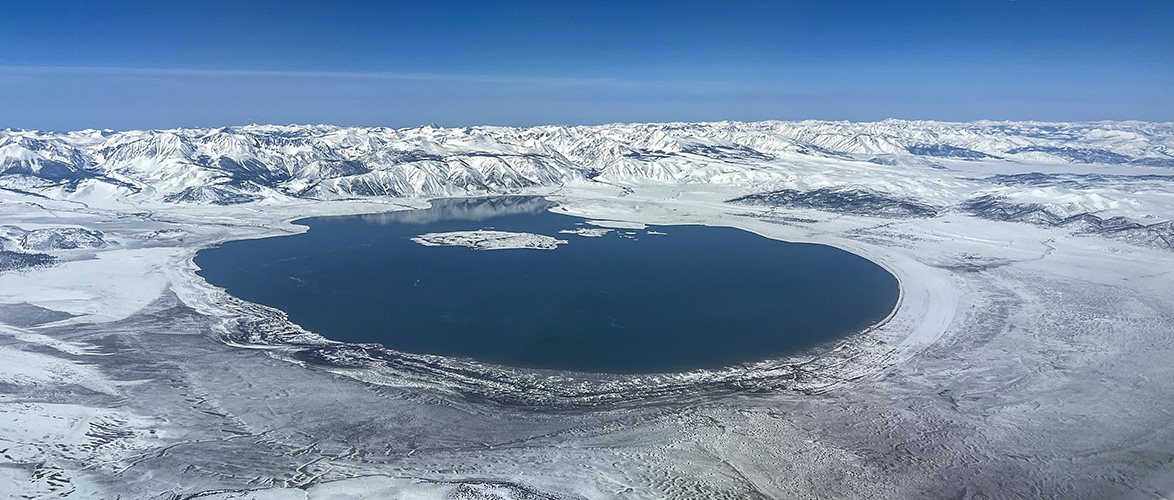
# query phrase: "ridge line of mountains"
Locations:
[[243, 164]]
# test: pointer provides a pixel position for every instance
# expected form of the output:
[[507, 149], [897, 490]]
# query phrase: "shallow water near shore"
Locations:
[[657, 299]]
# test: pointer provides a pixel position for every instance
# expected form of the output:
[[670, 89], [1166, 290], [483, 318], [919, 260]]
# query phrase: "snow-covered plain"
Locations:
[[1028, 355]]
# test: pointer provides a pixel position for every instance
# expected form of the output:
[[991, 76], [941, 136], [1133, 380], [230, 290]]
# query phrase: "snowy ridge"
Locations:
[[249, 163]]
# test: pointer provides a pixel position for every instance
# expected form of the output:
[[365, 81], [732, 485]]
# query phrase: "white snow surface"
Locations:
[[238, 164], [1028, 356]]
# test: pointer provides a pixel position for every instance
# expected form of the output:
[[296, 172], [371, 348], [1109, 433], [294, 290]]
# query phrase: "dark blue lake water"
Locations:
[[695, 297]]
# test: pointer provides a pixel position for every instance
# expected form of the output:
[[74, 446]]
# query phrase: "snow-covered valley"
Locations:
[[1028, 356]]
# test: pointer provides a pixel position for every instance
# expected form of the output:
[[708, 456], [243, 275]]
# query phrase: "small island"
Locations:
[[484, 239], [588, 232]]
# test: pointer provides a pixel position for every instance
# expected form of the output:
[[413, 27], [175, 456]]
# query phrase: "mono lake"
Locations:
[[619, 301]]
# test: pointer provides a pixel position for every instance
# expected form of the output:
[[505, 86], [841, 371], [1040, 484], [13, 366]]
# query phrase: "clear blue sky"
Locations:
[[78, 64]]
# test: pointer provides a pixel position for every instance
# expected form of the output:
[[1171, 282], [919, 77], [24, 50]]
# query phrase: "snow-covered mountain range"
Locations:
[[248, 163]]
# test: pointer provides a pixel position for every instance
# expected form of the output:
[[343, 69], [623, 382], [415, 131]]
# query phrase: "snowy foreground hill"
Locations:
[[1028, 356]]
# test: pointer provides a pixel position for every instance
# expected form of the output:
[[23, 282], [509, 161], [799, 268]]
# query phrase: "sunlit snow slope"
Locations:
[[242, 164]]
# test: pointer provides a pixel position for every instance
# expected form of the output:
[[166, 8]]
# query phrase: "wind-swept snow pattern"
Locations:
[[848, 200], [1028, 355]]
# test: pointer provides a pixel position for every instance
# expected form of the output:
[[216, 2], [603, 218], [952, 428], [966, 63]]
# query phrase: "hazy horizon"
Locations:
[[402, 64]]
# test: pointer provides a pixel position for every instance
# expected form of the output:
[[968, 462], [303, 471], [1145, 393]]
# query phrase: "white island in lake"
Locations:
[[484, 239]]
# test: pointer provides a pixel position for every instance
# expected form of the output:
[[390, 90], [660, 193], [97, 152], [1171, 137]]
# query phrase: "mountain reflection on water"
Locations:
[[467, 209]]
